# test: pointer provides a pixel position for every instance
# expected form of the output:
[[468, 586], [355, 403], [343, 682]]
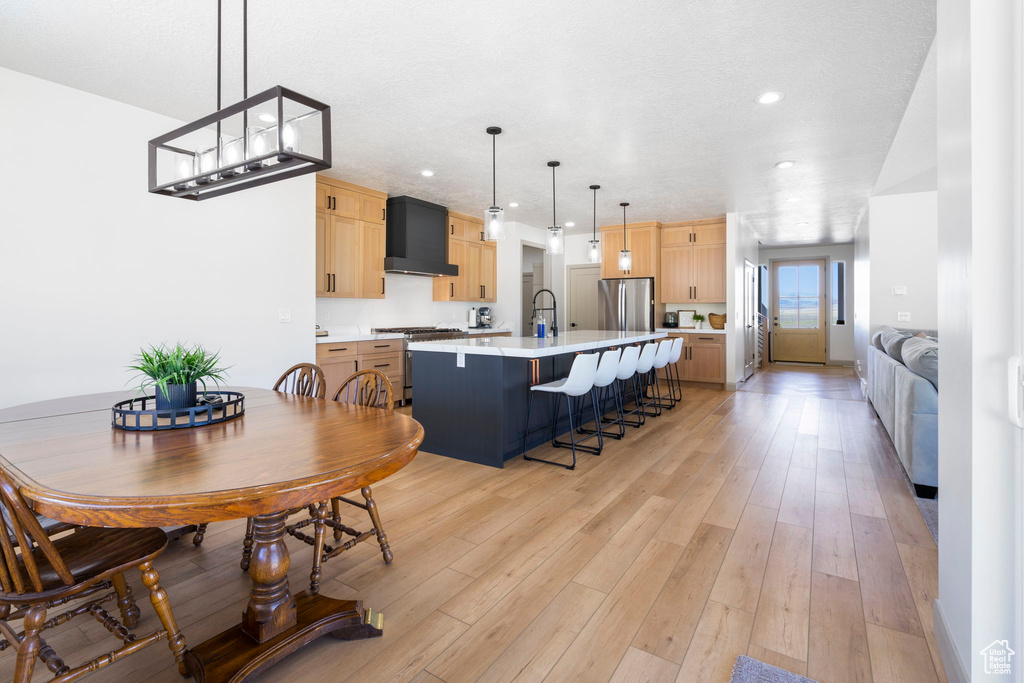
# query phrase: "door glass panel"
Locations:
[[808, 281], [788, 281], [788, 312], [809, 313]]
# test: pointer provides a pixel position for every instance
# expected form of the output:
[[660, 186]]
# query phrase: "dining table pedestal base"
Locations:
[[234, 656]]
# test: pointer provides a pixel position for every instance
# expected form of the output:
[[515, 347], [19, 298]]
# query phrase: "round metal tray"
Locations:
[[140, 414]]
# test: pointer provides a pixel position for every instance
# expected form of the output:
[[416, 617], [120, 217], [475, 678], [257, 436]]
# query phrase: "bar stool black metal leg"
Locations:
[[597, 422]]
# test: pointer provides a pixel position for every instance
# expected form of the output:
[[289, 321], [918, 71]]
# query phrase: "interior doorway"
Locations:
[[582, 294], [799, 323], [533, 281]]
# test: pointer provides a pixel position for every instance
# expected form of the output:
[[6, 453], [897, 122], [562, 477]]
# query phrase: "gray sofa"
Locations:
[[907, 400]]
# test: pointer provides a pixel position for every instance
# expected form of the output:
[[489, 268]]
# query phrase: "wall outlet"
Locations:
[[284, 315], [460, 360], [903, 317], [899, 290]]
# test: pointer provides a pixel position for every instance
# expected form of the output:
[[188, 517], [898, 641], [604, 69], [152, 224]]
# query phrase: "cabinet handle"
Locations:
[[327, 286], [481, 291], [452, 285], [706, 338], [343, 348], [382, 286], [383, 214], [334, 282], [382, 346], [384, 365], [481, 235], [453, 229]]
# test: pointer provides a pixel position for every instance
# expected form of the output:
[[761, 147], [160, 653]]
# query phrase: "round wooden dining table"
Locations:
[[284, 452]]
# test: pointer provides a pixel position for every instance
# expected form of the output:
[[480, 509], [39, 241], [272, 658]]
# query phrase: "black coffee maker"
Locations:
[[671, 319]]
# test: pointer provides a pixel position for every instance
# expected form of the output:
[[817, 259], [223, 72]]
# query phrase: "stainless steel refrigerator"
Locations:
[[626, 304]]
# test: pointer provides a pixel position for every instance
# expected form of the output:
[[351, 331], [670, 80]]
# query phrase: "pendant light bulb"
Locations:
[[625, 256], [556, 238], [290, 137], [593, 244], [494, 217]]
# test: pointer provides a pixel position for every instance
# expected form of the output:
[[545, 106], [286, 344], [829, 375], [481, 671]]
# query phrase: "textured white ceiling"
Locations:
[[653, 100], [913, 158]]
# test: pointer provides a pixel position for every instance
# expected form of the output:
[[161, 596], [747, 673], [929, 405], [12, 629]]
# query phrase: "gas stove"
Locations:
[[423, 333]]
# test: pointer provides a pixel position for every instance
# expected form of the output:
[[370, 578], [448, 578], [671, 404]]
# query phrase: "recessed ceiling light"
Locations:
[[793, 199], [570, 224], [267, 118], [426, 173], [513, 205], [769, 97], [785, 164]]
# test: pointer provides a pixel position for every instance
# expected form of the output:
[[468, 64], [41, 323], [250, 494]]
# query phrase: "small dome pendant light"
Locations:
[[593, 244], [494, 217], [556, 240], [625, 257]]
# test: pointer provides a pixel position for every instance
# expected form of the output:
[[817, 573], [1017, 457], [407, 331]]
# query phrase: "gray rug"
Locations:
[[747, 670]]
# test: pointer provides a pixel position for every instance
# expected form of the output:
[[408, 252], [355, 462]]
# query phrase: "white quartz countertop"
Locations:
[[532, 347], [678, 330], [478, 331]]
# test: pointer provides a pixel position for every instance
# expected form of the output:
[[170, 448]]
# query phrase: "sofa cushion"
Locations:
[[883, 390], [876, 338], [921, 356], [892, 342]]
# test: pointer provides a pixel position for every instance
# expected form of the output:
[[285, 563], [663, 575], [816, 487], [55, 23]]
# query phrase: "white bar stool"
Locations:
[[640, 381], [578, 384], [672, 370], [627, 373], [604, 384], [661, 361]]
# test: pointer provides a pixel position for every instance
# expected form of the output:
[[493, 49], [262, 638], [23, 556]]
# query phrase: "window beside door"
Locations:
[[838, 307]]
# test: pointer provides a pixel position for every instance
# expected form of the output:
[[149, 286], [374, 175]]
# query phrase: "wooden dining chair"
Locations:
[[368, 388], [39, 573], [302, 379]]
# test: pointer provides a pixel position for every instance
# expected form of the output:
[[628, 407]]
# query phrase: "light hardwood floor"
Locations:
[[772, 522]]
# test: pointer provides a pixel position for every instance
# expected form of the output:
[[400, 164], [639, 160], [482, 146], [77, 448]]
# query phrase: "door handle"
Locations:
[[1014, 386]]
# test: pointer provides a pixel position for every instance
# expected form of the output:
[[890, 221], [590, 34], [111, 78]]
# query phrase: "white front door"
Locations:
[[799, 315]]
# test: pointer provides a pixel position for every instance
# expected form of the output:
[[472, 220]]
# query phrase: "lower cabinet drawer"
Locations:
[[380, 346], [336, 350], [390, 365]]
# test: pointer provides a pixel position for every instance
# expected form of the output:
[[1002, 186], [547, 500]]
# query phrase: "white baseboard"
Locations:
[[956, 671]]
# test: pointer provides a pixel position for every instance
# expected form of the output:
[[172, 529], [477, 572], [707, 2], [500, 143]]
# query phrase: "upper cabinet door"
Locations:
[[323, 268], [643, 245], [323, 197], [709, 273], [345, 202], [489, 271], [471, 281], [345, 273], [456, 228], [677, 274], [372, 261], [712, 233], [372, 209], [611, 245], [678, 236]]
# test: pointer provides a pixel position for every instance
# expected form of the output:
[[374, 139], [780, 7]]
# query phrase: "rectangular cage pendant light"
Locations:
[[270, 136]]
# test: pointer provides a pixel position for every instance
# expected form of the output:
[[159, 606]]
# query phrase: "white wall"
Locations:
[[92, 266], [840, 337], [862, 295], [979, 232], [904, 252]]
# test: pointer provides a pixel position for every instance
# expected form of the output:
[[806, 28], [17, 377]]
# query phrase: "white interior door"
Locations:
[[583, 297], [527, 299], [749, 319]]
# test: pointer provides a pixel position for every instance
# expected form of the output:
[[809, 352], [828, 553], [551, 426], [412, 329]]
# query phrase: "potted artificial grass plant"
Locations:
[[699, 319], [175, 373]]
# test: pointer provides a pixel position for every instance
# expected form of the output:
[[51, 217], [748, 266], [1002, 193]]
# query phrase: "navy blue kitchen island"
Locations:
[[470, 395]]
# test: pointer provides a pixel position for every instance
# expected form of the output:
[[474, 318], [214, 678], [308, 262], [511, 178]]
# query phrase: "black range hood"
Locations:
[[417, 238]]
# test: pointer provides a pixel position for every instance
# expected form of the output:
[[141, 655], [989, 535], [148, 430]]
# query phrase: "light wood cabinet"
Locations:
[[373, 238], [477, 260], [692, 268], [350, 240], [642, 239], [703, 358], [709, 273], [339, 360]]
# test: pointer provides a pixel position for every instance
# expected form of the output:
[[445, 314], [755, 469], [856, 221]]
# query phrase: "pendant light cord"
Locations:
[[623, 227], [593, 237], [494, 169], [554, 214], [219, 31]]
